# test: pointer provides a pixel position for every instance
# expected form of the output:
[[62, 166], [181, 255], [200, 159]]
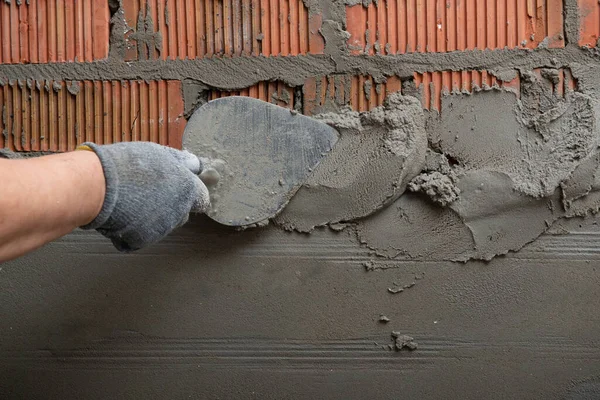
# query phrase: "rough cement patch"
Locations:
[[518, 164], [489, 219], [581, 193], [505, 75], [537, 143], [336, 38], [118, 29], [195, 95], [370, 166], [581, 182]]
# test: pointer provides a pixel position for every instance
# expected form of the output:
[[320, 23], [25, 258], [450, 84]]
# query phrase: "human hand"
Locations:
[[150, 191]]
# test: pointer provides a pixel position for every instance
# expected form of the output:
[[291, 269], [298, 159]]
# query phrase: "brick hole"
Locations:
[[113, 7]]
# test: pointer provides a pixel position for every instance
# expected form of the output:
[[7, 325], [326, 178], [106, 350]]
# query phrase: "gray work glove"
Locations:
[[150, 190]]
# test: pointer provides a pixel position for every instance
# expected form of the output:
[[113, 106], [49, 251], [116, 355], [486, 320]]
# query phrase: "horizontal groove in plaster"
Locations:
[[131, 350], [576, 245], [46, 31], [204, 28], [427, 26], [48, 116]]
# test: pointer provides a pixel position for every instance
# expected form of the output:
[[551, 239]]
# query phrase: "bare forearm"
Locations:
[[44, 198], [133, 193]]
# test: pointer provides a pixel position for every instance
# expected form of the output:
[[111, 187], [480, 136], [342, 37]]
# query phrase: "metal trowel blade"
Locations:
[[258, 155]]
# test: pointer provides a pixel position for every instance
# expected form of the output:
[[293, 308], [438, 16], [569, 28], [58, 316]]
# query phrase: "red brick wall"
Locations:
[[43, 31], [45, 112], [428, 26]]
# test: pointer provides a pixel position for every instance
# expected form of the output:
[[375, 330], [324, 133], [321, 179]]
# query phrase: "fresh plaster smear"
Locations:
[[377, 154], [519, 163]]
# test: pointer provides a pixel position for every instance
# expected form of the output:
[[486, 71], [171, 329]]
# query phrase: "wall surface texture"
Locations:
[[476, 277]]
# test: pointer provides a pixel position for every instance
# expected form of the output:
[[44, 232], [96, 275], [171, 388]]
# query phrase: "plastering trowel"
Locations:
[[254, 155]]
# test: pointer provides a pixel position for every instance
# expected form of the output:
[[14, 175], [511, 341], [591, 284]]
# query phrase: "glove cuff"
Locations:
[[112, 183]]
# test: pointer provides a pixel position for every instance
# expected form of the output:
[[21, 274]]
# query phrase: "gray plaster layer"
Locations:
[[414, 227], [489, 219], [269, 314], [500, 218]]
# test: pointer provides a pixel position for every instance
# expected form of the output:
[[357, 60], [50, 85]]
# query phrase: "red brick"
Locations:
[[428, 26], [44, 31], [359, 92], [45, 116], [589, 22]]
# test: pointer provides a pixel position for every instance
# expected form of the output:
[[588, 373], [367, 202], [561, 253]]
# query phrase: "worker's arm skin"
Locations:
[[132, 193], [44, 198]]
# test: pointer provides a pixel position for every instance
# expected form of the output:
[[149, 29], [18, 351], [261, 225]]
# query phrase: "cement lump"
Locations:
[[439, 187], [403, 342]]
